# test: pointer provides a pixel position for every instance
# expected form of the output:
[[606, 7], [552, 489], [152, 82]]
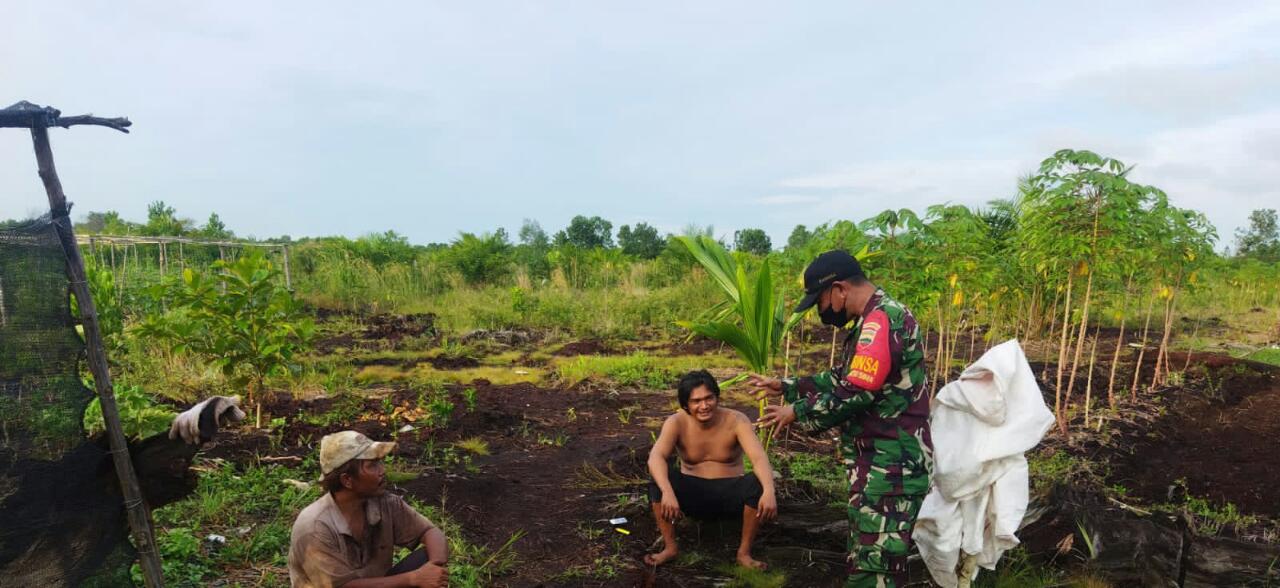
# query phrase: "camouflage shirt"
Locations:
[[876, 395]]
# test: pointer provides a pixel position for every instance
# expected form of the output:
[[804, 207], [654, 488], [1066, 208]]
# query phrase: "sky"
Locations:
[[431, 118]]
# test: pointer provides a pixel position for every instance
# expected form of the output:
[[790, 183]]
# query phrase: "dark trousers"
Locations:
[[711, 498], [411, 562]]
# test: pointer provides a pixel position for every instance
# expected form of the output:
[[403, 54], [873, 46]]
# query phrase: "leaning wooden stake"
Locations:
[[139, 514]]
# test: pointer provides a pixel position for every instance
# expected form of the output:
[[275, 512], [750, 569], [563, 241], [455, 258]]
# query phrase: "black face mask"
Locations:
[[832, 317]]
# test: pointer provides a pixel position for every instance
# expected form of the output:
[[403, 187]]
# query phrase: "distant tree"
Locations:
[[693, 231], [587, 233], [642, 241], [92, 223], [106, 223], [214, 228], [383, 248], [531, 234], [754, 241], [1261, 240], [479, 258], [800, 237], [163, 220], [531, 253]]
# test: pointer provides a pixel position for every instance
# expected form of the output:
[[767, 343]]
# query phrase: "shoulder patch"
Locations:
[[869, 330]]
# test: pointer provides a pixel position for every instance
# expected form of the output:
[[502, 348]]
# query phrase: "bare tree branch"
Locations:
[[25, 115]]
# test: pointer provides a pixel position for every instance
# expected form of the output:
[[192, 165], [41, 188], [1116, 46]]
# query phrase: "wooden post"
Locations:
[[222, 256], [163, 262], [182, 259], [139, 514], [115, 275], [288, 281]]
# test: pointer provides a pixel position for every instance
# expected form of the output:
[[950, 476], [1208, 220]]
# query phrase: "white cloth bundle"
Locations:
[[981, 424]]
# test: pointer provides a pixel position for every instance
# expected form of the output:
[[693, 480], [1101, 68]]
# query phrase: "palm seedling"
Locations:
[[752, 318]]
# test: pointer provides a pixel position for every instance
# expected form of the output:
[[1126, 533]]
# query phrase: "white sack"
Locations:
[[981, 425]]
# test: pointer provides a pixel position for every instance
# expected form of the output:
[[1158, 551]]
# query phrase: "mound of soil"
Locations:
[[695, 346], [453, 363], [584, 347], [390, 328], [393, 327], [1218, 434], [389, 361], [509, 337]]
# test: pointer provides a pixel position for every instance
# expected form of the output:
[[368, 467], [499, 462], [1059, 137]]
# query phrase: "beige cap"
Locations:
[[339, 448]]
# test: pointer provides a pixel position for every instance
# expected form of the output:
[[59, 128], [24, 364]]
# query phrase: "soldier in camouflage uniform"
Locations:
[[875, 395]]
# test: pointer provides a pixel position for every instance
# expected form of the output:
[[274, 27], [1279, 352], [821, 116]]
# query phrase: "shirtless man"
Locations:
[[711, 481]]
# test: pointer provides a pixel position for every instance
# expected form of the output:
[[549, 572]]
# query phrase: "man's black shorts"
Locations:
[[706, 498]]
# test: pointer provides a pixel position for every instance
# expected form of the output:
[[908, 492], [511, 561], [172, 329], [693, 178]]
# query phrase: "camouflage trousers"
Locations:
[[880, 540]]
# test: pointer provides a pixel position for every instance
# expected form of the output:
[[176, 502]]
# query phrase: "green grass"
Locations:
[[1017, 570], [745, 578], [1269, 355], [640, 370], [474, 445], [424, 373], [1208, 517], [823, 472], [346, 409], [254, 509], [1048, 470], [632, 308]]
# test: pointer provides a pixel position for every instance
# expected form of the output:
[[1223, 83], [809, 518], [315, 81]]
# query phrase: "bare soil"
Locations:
[[542, 477], [1219, 435], [563, 461], [585, 347]]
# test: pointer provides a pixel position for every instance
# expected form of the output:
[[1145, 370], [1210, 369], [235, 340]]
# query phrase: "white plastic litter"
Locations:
[[981, 425], [299, 484]]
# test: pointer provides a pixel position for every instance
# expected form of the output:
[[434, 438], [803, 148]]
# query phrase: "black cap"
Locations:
[[828, 268]]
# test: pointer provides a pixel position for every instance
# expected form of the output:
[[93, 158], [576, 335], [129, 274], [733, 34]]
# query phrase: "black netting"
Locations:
[[61, 515]]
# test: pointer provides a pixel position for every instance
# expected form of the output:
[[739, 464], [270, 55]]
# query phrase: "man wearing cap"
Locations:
[[875, 395], [348, 536]]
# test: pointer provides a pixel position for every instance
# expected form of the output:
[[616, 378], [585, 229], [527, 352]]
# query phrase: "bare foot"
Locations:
[[664, 556], [746, 561]]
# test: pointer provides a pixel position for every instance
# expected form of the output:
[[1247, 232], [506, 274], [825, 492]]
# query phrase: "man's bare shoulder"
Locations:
[[736, 416]]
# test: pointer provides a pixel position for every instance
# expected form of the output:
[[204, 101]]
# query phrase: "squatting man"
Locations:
[[347, 537], [711, 481]]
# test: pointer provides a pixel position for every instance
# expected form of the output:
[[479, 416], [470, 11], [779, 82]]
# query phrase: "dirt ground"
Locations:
[[562, 462], [557, 477], [1219, 435]]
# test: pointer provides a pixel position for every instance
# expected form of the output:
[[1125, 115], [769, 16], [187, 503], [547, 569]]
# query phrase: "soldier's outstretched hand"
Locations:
[[765, 386], [777, 417]]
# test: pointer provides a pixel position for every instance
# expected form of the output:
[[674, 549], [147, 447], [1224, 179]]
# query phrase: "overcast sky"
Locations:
[[434, 118]]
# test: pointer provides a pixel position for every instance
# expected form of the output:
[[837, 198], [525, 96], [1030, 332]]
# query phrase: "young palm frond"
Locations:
[[753, 319]]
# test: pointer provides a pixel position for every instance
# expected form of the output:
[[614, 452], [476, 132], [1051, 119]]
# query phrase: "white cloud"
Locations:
[[1225, 169], [788, 199], [1198, 39], [862, 189]]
